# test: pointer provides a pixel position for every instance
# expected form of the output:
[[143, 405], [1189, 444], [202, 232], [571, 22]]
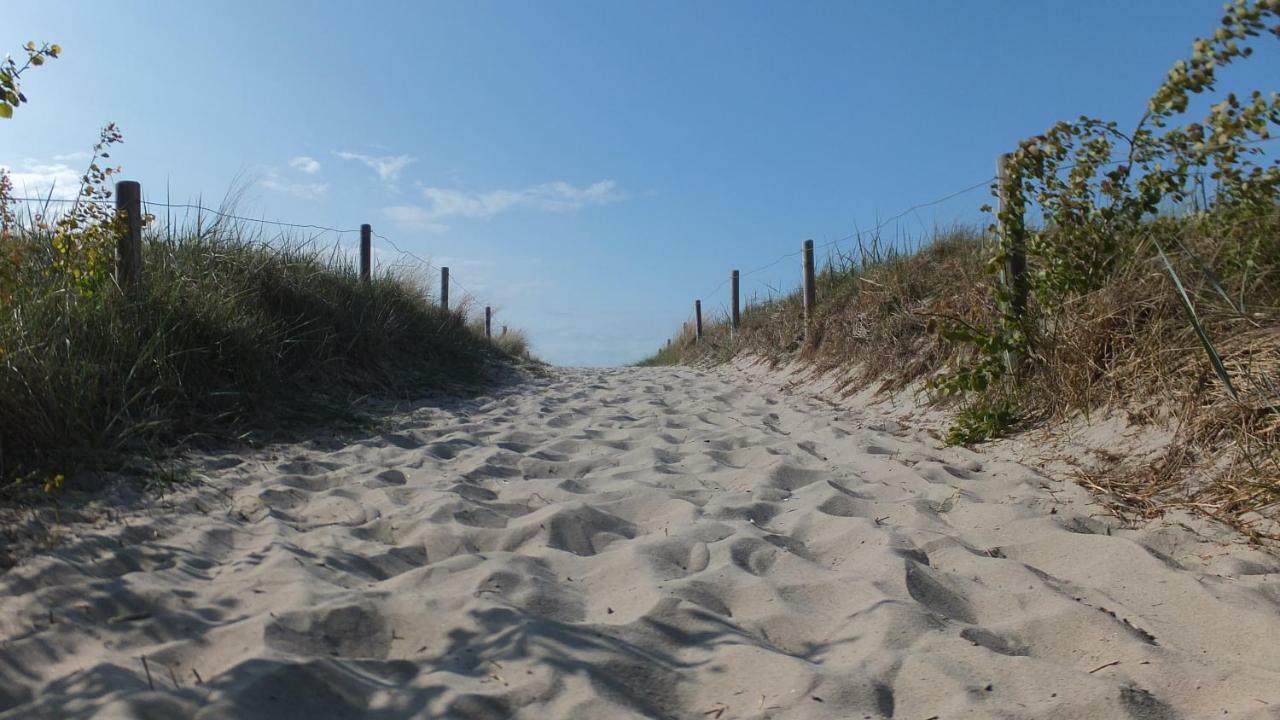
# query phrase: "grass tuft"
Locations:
[[230, 338]]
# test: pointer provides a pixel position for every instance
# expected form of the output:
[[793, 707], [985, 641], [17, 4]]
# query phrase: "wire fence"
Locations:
[[991, 182], [858, 236], [406, 258], [872, 231], [402, 257]]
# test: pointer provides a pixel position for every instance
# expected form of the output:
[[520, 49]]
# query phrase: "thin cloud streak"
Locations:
[[306, 191], [410, 217], [388, 167], [557, 196]]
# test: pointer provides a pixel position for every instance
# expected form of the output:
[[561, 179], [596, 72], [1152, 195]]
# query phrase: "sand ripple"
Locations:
[[637, 543]]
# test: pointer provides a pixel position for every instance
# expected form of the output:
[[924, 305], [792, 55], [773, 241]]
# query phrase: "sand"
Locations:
[[637, 543]]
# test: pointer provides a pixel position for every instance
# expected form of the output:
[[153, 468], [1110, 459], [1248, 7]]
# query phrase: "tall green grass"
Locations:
[[229, 338]]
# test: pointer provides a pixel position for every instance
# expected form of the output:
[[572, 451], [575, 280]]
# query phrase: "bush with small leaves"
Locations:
[[10, 93], [1099, 210]]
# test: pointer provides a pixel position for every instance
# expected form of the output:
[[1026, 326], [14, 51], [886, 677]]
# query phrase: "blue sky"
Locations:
[[588, 168]]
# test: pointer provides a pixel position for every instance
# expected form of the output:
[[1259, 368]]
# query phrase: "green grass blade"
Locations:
[[1212, 279], [1214, 358]]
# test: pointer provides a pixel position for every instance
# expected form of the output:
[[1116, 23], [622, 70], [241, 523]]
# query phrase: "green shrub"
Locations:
[[982, 421]]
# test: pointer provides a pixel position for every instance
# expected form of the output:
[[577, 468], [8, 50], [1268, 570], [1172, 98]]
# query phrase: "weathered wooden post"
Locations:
[[129, 246], [810, 289], [733, 282], [697, 315], [444, 288], [366, 251], [1011, 233], [488, 321]]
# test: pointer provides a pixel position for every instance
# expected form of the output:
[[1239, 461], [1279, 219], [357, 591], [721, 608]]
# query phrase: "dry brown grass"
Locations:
[[873, 318], [1126, 345], [514, 343]]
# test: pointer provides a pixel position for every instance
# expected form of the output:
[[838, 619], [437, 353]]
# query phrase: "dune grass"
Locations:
[[231, 338], [873, 315], [1126, 346], [514, 343]]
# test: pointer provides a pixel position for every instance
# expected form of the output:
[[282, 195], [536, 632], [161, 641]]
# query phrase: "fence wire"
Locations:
[[988, 182], [858, 235], [404, 258]]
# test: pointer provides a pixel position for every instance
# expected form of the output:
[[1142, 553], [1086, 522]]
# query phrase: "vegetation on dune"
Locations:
[[1152, 286], [873, 316], [514, 343], [229, 335]]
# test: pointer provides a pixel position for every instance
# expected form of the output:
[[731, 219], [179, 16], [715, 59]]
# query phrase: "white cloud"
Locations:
[[308, 165], [306, 191], [413, 218], [388, 167], [555, 196], [41, 180], [77, 156]]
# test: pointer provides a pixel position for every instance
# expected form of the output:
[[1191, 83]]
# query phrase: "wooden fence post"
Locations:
[[1012, 236], [697, 315], [1014, 272], [366, 251], [488, 321], [733, 281], [444, 288], [129, 246], [1011, 229], [810, 290]]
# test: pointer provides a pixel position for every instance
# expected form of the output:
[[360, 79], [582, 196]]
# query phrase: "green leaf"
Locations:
[[6, 111]]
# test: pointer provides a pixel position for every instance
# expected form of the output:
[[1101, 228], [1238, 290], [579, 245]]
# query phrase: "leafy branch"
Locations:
[[1095, 186], [10, 72]]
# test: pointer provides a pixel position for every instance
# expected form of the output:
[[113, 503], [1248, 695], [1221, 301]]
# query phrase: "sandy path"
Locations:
[[664, 543]]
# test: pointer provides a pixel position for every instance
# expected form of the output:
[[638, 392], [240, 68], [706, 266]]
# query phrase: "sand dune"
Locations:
[[637, 543]]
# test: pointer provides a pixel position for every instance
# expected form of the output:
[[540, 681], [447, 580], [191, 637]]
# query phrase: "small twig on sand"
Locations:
[[1113, 662], [130, 617], [147, 668]]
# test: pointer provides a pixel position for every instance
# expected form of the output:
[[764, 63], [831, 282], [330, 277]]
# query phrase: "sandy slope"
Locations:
[[629, 543]]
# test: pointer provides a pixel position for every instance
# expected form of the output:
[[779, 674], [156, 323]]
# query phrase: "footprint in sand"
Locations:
[[636, 543]]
